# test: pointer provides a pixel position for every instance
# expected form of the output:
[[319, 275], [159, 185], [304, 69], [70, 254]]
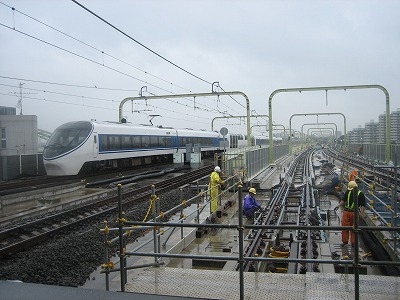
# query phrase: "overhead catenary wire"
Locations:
[[115, 109], [63, 102], [62, 94], [102, 64], [92, 47], [66, 84], [103, 99], [83, 57], [139, 43]]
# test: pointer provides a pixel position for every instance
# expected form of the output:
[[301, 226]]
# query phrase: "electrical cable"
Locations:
[[63, 94], [61, 102], [136, 41], [69, 85], [93, 61], [90, 46], [198, 107], [98, 107], [81, 56], [103, 99]]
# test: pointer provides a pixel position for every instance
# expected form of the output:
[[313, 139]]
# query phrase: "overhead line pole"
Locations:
[[326, 88], [316, 114], [193, 95], [324, 123], [235, 117]]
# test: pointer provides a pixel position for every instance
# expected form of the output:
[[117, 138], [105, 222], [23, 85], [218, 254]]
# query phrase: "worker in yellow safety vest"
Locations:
[[215, 182]]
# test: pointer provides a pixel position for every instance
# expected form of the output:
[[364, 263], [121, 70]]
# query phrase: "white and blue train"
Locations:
[[240, 140], [87, 146]]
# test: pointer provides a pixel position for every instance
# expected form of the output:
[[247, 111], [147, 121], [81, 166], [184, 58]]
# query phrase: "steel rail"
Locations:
[[54, 224]]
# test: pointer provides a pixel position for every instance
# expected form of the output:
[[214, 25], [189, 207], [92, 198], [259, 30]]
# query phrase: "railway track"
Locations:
[[377, 174], [31, 233], [296, 203], [27, 184], [292, 204], [34, 183]]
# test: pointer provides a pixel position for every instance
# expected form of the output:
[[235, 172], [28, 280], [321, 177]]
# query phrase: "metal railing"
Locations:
[[156, 224]]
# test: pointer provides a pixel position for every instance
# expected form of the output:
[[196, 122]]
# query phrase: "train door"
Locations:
[[95, 145]]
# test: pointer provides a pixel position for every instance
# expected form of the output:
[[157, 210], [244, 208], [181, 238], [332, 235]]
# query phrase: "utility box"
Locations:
[[189, 151], [197, 148], [195, 158], [178, 158]]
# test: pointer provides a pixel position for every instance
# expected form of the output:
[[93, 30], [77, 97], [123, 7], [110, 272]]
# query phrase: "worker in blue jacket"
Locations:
[[250, 205]]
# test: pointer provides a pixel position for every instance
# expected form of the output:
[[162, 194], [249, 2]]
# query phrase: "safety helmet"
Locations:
[[252, 190], [217, 169], [351, 185]]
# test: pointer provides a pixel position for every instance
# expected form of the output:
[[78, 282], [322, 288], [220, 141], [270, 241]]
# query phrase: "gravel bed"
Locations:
[[68, 260]]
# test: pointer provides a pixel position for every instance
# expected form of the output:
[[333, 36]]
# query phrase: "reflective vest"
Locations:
[[348, 206]]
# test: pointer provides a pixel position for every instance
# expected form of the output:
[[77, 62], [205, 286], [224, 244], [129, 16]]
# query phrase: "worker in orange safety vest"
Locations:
[[348, 210]]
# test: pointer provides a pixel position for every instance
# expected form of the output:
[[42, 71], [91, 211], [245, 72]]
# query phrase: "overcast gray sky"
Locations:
[[73, 66]]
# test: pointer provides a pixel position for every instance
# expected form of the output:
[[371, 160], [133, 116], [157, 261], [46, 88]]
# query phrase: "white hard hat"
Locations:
[[217, 169]]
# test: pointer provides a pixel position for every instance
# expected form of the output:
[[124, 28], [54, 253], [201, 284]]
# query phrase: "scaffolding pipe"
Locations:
[[121, 238], [240, 229]]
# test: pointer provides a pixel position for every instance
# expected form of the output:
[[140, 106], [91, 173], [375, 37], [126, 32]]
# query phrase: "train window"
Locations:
[[67, 137], [145, 141], [161, 141], [164, 141], [136, 141], [81, 135], [168, 141], [154, 141], [104, 143], [115, 142], [126, 142]]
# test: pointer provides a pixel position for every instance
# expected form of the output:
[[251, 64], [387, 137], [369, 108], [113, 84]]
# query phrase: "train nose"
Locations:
[[53, 169]]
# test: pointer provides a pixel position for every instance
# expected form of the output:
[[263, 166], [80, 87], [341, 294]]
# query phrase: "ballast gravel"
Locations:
[[68, 260]]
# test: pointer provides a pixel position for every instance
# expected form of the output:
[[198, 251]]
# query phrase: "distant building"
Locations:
[[18, 135], [375, 133], [382, 129], [356, 136], [370, 134], [18, 145], [4, 110], [395, 126]]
